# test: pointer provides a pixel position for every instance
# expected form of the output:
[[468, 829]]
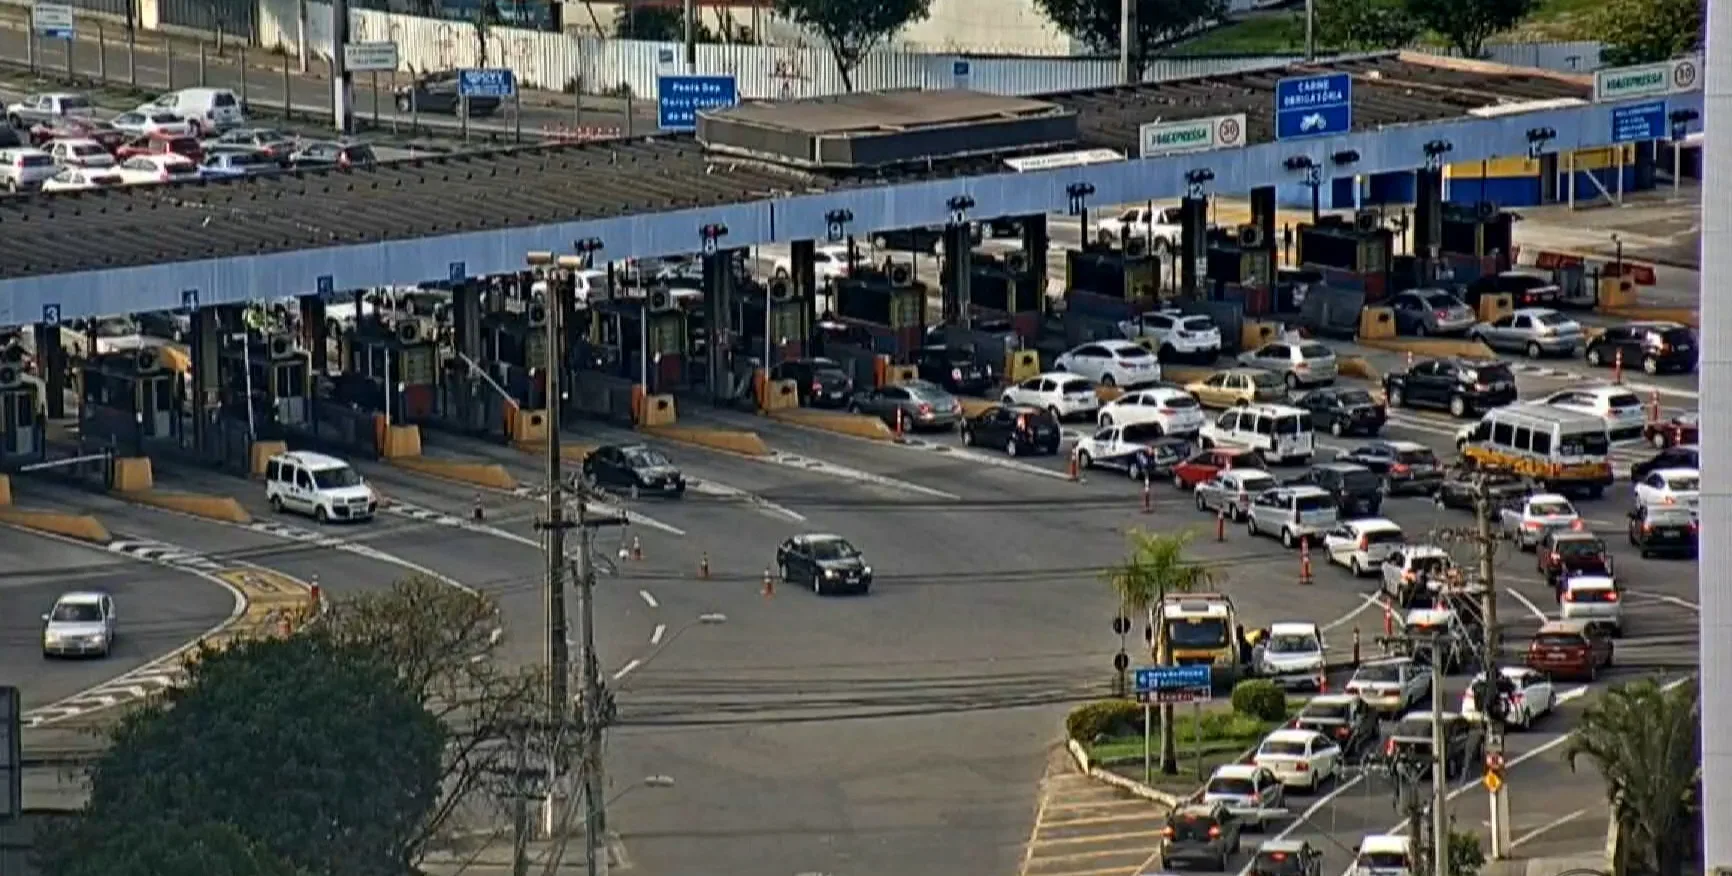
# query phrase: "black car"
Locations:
[[1164, 452], [1566, 552], [1459, 488], [1401, 466], [957, 369], [1463, 742], [437, 93], [1204, 833], [1652, 346], [1018, 429], [828, 563], [634, 467], [323, 154], [1286, 858], [821, 383], [1357, 491], [1343, 411], [1682, 456], [1461, 386], [1344, 718], [1664, 529]]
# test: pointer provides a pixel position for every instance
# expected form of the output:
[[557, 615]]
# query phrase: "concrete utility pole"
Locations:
[[594, 708], [554, 526], [1127, 36], [691, 16], [1494, 705], [1716, 384], [1310, 30], [342, 81], [1439, 765], [520, 805]]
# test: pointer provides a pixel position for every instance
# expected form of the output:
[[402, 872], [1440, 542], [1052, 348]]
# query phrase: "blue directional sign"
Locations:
[[1174, 684], [679, 99], [189, 299], [1313, 106], [459, 271], [327, 286], [50, 314], [1640, 121], [491, 82]]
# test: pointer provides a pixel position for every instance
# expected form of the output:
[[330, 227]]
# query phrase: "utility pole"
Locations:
[[1127, 35], [342, 81], [1493, 704], [691, 16], [520, 804], [1439, 765], [554, 524], [1310, 30]]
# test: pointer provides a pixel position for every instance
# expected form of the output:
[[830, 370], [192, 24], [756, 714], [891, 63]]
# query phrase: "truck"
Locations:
[[1160, 226], [1203, 628]]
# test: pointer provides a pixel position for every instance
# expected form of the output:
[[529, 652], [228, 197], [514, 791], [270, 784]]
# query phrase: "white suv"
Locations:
[[1282, 433], [322, 486], [1172, 334]]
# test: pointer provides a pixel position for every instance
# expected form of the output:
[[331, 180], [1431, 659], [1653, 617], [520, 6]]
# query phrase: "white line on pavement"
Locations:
[[1554, 824], [1672, 600], [627, 668], [649, 599], [1528, 604], [1368, 600], [656, 637]]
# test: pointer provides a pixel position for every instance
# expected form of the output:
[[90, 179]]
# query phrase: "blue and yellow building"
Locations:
[[1507, 182]]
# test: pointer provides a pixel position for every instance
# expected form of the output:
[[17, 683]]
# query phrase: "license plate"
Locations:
[[1683, 348]]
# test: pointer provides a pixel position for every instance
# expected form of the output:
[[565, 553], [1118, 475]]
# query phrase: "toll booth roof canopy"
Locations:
[[526, 186]]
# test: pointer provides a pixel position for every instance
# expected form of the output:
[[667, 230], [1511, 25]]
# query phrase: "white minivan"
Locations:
[[210, 110], [322, 486], [1281, 432]]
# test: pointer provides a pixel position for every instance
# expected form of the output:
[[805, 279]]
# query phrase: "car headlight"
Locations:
[[867, 571], [829, 573], [51, 638]]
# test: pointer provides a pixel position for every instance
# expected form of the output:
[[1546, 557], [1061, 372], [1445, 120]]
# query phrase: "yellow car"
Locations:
[[1238, 386]]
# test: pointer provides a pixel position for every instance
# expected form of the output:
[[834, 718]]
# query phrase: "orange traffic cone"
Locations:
[[1148, 500], [769, 583], [1305, 560], [1618, 367], [636, 548]]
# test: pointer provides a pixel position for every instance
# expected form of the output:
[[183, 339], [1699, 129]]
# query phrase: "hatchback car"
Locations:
[[915, 405], [1060, 394], [1402, 467], [80, 624], [1362, 546], [1019, 429], [1669, 531], [1174, 335], [1356, 490], [1169, 411], [1623, 411], [1342, 717], [1655, 347], [1527, 521], [1112, 363], [957, 369], [1422, 312], [1286, 858], [1594, 600], [1299, 364], [80, 152], [1204, 464], [1669, 486], [1238, 386], [827, 563], [1570, 648], [25, 170], [819, 382], [1201, 832], [1247, 791], [1230, 492], [1293, 514], [1685, 428], [1532, 331], [634, 468]]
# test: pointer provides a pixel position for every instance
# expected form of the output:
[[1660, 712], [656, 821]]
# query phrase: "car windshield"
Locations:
[[1440, 300], [165, 118], [1585, 444], [76, 612], [1687, 483], [1383, 860], [1196, 632], [1134, 353], [1551, 508], [1234, 786], [1430, 565], [223, 98], [74, 103], [1266, 379], [1277, 864], [1324, 711], [1283, 749], [1353, 397], [1522, 282], [1378, 672], [1314, 502], [84, 149], [833, 549], [1293, 643], [336, 478], [1678, 336], [1359, 481], [645, 457]]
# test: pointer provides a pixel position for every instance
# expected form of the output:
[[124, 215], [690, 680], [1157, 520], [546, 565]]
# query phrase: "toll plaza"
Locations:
[[345, 309]]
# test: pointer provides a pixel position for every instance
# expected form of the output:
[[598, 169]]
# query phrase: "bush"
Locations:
[[1261, 699], [1102, 718]]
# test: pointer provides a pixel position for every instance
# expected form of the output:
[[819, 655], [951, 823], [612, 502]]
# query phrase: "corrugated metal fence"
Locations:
[[237, 17]]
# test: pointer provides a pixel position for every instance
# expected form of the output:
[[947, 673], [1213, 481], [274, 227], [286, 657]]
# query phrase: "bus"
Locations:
[[1565, 451]]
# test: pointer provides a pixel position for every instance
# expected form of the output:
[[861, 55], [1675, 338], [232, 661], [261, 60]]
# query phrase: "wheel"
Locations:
[[1457, 406], [1397, 398], [1357, 567], [1136, 472], [1053, 409], [1251, 526], [1010, 447], [1201, 504], [1287, 539], [321, 515], [1646, 554], [15, 122], [1337, 428], [1162, 246], [1593, 357], [782, 272], [1007, 400], [853, 408], [277, 508], [1105, 236], [1419, 330], [1386, 486], [1292, 381], [1534, 351], [403, 104], [1106, 420], [1083, 459], [1650, 365]]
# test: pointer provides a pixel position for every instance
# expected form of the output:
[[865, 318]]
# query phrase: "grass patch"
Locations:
[[1223, 732], [1279, 32]]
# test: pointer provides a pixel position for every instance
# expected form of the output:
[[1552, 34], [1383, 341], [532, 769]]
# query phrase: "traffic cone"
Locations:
[[636, 548], [1221, 525], [316, 595], [478, 514], [1388, 621], [769, 583], [1654, 405], [1410, 360], [1355, 646], [897, 424], [1618, 367], [1305, 560], [704, 565], [1075, 468]]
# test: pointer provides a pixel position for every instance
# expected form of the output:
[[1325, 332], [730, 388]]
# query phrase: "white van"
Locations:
[[1281, 432], [322, 486], [1383, 855], [210, 110]]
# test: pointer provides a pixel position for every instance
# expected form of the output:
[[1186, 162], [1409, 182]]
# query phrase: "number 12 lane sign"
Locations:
[[1313, 106]]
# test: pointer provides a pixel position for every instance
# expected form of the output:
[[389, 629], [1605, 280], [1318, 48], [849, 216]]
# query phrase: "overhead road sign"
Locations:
[[1174, 684], [1192, 135], [1635, 123], [1313, 106], [1676, 76], [679, 99], [486, 82], [370, 57], [1081, 158], [52, 20]]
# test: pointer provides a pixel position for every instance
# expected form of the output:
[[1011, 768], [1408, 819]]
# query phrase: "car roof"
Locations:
[[630, 445], [1282, 845], [811, 537], [1533, 311], [1678, 470], [1403, 446], [80, 597], [1590, 582], [1375, 524], [313, 461], [1117, 344], [1340, 466], [1292, 734], [1273, 410], [1387, 661], [1063, 376], [1384, 842], [1422, 615], [1425, 715], [1301, 491], [1334, 699], [1547, 497], [1236, 771], [1292, 628]]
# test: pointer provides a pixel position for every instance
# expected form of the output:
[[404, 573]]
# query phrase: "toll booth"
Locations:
[[1240, 268], [889, 304], [1109, 284], [1478, 240], [786, 321], [131, 398], [628, 336], [997, 287], [1350, 253], [21, 410], [394, 363], [272, 373], [514, 342]]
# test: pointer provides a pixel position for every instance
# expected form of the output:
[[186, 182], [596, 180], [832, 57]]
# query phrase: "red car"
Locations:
[[1682, 429], [1570, 648], [76, 129], [1205, 464], [186, 147]]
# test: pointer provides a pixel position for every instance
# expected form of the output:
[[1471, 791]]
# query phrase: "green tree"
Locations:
[[1466, 857], [312, 749], [1467, 24], [1155, 567], [1646, 742], [156, 846], [851, 29], [1644, 31], [1096, 23], [658, 23], [1364, 25]]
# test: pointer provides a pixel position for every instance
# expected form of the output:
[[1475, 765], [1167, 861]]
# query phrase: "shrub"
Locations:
[[1261, 699], [1091, 721]]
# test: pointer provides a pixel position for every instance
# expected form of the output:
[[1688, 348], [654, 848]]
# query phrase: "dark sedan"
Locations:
[[437, 93], [1570, 552], [1683, 429], [820, 383], [957, 369], [1344, 411], [1344, 718], [635, 468], [1018, 429], [826, 563], [1203, 833], [1682, 456], [1664, 529], [1402, 466], [1460, 486]]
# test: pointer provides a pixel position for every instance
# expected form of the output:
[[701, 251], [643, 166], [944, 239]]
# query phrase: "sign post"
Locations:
[[1313, 106], [1191, 135], [679, 99], [53, 21], [1170, 685], [496, 83], [371, 58]]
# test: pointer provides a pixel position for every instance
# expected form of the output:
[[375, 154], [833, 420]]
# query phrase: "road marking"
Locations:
[[656, 637], [1671, 600], [627, 668], [534, 493], [758, 503], [1527, 604], [649, 599], [821, 467], [1368, 600], [975, 456], [1554, 824]]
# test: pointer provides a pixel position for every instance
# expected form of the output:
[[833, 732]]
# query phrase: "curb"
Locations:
[[1081, 759]]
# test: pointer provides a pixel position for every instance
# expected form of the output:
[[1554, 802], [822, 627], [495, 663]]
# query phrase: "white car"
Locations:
[[1160, 227], [829, 264], [1620, 408], [1172, 411], [1527, 520], [1062, 395], [1292, 656], [1414, 564], [1394, 684], [1122, 448], [1251, 792], [80, 624], [1299, 758], [321, 486], [72, 179], [1383, 854], [587, 285], [1172, 334], [141, 169], [80, 153], [1280, 432], [1112, 363], [1531, 696], [1362, 545], [151, 124], [1231, 490], [1593, 599], [1670, 486]]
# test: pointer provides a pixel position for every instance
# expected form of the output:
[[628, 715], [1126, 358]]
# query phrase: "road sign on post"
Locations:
[[1635, 123], [1676, 76], [1174, 684], [370, 57], [1313, 106], [52, 20], [486, 82], [1195, 135], [679, 99]]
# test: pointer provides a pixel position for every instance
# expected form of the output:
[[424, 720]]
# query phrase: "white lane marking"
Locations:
[[1554, 824], [1574, 693], [627, 668], [656, 637], [759, 503], [958, 451], [649, 599], [1671, 600], [307, 536], [1367, 601], [1527, 604], [821, 467]]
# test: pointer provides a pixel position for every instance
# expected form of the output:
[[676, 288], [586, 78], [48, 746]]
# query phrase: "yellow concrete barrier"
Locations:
[[528, 427], [223, 508], [1685, 315], [262, 452], [853, 425], [79, 526], [900, 374], [658, 410], [1431, 347], [1108, 393], [1255, 333], [481, 474], [1376, 323], [5, 491], [1184, 374], [971, 407], [784, 394], [1495, 305], [401, 442], [1020, 365], [729, 440], [1357, 366], [133, 474], [276, 604], [1616, 293]]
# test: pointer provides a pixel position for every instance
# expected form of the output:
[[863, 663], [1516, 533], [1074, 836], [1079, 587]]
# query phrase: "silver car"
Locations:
[[917, 404], [1293, 514], [1430, 312], [1534, 331], [1231, 491], [1300, 363], [35, 109], [1528, 520], [80, 624]]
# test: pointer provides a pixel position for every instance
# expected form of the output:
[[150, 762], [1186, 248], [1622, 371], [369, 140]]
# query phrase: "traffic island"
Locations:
[[1639, 313], [400, 446], [852, 425], [135, 482], [974, 407], [727, 440], [1359, 368], [82, 527], [272, 605]]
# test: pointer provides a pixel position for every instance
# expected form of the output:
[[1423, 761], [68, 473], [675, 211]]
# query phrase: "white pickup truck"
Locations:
[[1160, 226]]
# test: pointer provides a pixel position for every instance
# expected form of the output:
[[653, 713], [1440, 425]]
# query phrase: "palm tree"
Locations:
[[1155, 567], [1646, 742]]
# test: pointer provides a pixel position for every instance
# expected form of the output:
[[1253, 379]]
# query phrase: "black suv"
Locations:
[[1652, 346], [1016, 428], [828, 563], [1682, 456], [1660, 529], [1202, 832], [1356, 490], [1344, 718], [957, 369], [821, 383], [1460, 487], [1343, 411], [1403, 466], [633, 467], [1462, 386], [1463, 743]]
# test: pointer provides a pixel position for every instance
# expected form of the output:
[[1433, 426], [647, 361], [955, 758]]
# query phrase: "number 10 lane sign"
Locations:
[[1313, 106]]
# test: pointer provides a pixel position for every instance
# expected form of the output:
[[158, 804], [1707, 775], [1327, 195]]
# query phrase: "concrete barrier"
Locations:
[[1020, 365], [481, 474], [658, 410], [1431, 347], [401, 442], [527, 427], [853, 425], [897, 375], [727, 440], [1358, 367], [262, 452], [784, 394], [971, 407], [1184, 374], [133, 475], [5, 491], [221, 508], [1616, 293], [1255, 333], [1376, 323], [1494, 306], [1108, 393], [79, 526], [1686, 315]]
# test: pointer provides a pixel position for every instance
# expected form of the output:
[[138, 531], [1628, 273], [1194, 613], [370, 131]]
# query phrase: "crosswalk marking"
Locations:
[[1085, 828]]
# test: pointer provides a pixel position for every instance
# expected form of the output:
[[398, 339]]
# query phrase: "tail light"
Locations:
[[1022, 423], [925, 409], [1408, 577], [1576, 524], [1441, 314], [956, 374], [1215, 832], [1167, 832], [1569, 597], [1695, 527], [1389, 748], [1533, 524], [1401, 468], [817, 387], [1302, 766], [1515, 699], [1557, 557], [1256, 799], [1482, 387], [1612, 596], [1341, 732], [1364, 542], [1649, 527]]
